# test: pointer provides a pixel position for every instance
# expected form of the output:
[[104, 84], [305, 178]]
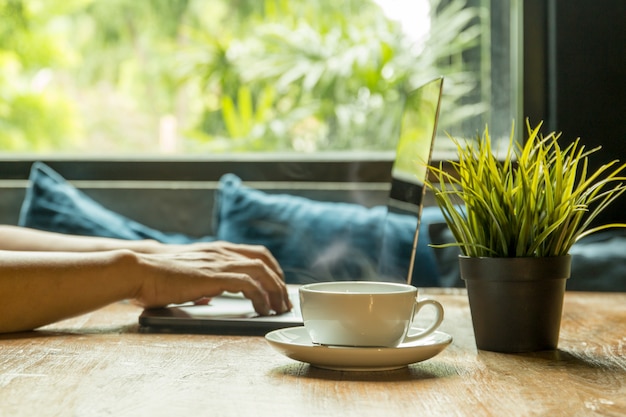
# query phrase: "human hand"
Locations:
[[225, 248], [180, 273]]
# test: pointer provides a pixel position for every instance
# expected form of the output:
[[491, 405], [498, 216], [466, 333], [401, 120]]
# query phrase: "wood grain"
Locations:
[[100, 365]]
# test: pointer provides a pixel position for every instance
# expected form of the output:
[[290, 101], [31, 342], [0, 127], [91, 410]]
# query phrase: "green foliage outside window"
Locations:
[[199, 76]]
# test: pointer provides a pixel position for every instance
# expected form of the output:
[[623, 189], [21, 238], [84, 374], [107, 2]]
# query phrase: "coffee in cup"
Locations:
[[363, 313]]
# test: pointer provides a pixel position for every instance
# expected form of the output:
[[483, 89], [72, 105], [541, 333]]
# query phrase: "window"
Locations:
[[200, 77]]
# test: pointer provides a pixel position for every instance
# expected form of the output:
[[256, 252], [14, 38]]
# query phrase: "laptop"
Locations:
[[234, 314]]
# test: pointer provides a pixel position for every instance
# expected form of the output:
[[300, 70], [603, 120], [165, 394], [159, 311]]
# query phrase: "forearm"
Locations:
[[40, 288], [24, 239]]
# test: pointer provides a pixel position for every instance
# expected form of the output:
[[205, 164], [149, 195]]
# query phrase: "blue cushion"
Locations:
[[312, 240], [315, 240], [53, 204], [598, 260]]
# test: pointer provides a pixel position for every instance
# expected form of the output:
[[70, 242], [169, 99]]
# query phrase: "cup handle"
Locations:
[[433, 326]]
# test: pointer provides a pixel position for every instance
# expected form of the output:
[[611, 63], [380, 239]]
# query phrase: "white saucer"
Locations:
[[295, 343]]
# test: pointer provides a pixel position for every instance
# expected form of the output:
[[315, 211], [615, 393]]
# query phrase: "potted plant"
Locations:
[[515, 219]]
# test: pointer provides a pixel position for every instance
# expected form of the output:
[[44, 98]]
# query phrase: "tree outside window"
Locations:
[[222, 76]]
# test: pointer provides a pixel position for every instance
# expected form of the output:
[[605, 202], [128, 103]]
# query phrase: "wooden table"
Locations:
[[100, 365]]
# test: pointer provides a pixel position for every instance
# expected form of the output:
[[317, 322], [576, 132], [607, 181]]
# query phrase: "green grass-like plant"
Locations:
[[535, 202]]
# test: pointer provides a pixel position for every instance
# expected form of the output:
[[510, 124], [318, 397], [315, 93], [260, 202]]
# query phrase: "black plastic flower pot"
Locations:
[[516, 303]]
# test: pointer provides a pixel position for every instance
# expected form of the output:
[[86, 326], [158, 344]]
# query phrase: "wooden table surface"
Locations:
[[100, 365]]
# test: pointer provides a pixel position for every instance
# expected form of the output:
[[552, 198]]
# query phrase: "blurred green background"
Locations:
[[210, 76]]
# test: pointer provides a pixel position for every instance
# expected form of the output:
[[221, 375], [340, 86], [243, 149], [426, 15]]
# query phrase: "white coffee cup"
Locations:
[[363, 313]]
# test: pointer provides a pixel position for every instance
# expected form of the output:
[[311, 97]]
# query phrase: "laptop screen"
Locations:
[[378, 243], [413, 154]]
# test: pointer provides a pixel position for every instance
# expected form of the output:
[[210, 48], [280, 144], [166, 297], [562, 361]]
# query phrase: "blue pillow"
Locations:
[[316, 240], [598, 260], [54, 205]]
